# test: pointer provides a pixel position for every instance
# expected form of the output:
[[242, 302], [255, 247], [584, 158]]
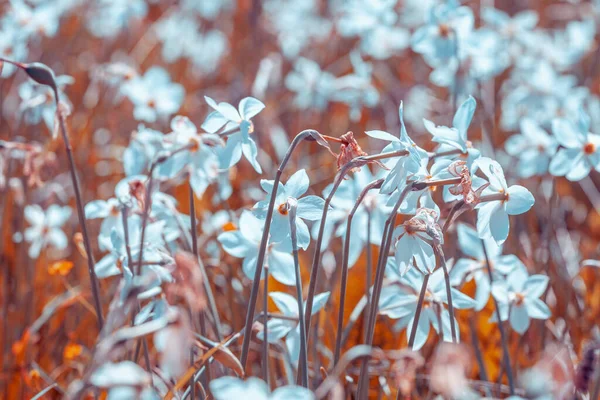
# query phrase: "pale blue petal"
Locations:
[[249, 107], [520, 200], [519, 320], [536, 285], [537, 309], [297, 185], [310, 208]]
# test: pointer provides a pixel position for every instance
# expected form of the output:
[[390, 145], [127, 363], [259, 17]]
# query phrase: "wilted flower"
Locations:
[[412, 242]]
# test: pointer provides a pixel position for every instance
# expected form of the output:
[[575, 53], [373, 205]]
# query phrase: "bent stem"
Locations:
[[308, 135], [506, 355], [438, 249], [303, 362], [316, 263], [338, 339]]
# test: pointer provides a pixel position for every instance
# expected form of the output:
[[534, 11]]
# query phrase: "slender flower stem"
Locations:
[[346, 168], [148, 199], [440, 252], [265, 349], [125, 221], [303, 362], [369, 274], [338, 339], [374, 302], [81, 214], [207, 288], [44, 75], [308, 135], [506, 355], [413, 331]]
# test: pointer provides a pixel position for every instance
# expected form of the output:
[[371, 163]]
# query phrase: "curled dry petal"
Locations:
[[137, 190], [349, 150], [460, 170]]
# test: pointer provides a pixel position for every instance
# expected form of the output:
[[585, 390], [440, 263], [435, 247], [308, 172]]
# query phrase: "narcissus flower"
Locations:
[[238, 142], [519, 298], [499, 201], [45, 227], [581, 152]]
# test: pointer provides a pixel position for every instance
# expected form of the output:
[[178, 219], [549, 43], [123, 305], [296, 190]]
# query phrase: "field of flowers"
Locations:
[[300, 199]]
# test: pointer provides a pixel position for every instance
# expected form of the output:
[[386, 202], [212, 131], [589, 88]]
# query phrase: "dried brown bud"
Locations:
[[137, 190]]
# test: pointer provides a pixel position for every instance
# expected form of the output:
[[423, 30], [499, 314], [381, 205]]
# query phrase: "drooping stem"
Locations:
[[338, 339], [207, 288], [440, 252], [413, 331], [506, 355], [303, 361], [306, 134]]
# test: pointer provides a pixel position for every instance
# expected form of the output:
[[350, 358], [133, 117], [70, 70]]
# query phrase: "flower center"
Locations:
[[229, 226], [589, 148], [519, 298], [283, 209], [151, 103], [445, 30]]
